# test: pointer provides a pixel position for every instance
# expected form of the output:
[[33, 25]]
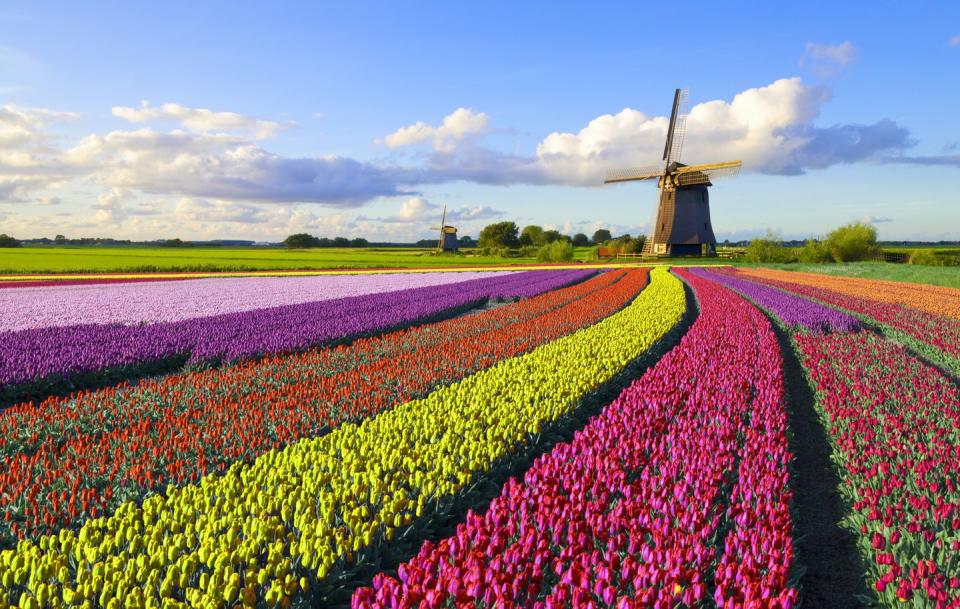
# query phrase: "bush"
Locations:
[[558, 251], [767, 249], [529, 251], [815, 252], [852, 242], [926, 258]]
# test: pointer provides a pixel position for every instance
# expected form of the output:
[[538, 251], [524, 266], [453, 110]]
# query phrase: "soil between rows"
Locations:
[[832, 570]]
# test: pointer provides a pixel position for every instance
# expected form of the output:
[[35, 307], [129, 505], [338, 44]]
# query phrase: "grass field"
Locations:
[[145, 259], [935, 275], [34, 260]]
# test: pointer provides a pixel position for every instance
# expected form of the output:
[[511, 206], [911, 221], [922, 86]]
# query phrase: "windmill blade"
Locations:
[[678, 127], [706, 173], [443, 222], [632, 174]]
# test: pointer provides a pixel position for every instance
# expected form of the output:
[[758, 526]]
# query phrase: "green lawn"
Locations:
[[151, 259], [146, 259], [948, 276]]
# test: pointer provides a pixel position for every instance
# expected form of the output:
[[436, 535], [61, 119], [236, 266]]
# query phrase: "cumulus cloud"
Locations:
[[222, 166], [201, 210], [200, 120], [459, 126], [418, 209], [28, 161], [110, 206], [770, 128], [828, 59]]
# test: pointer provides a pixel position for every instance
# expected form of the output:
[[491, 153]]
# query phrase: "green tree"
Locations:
[[359, 242], [601, 236], [856, 241], [467, 241], [8, 241], [301, 241], [499, 235], [552, 235], [532, 235], [581, 240], [60, 239]]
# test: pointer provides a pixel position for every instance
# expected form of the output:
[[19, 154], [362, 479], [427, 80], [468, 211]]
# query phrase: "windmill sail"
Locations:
[[678, 128], [650, 172]]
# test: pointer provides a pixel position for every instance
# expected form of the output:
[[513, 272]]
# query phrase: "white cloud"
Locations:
[[460, 125], [110, 206], [829, 59], [868, 219], [200, 120], [200, 210], [228, 167], [955, 41], [418, 209], [28, 163], [769, 128]]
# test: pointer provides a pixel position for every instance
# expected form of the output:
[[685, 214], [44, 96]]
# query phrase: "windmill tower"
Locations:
[[448, 241], [681, 221]]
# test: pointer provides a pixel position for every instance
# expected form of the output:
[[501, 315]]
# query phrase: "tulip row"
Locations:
[[38, 358], [794, 311], [935, 335], [629, 512], [93, 280], [894, 422], [71, 459], [132, 303], [937, 300], [265, 531]]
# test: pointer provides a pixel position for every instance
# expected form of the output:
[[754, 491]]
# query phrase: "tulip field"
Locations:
[[586, 438]]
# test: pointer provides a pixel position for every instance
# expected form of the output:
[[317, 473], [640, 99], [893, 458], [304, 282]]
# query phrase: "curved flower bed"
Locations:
[[39, 357], [942, 333], [133, 302], [930, 298], [72, 459], [265, 531], [894, 422], [629, 512], [793, 310]]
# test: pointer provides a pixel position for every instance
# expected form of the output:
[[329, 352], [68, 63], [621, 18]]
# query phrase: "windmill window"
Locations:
[[705, 227]]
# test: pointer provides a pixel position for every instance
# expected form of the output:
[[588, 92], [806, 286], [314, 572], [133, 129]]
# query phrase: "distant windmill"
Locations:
[[681, 221], [448, 235]]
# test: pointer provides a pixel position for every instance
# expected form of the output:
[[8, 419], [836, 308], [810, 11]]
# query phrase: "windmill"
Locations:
[[448, 235], [681, 221]]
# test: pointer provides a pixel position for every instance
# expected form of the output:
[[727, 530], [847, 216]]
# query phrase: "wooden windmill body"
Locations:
[[448, 241], [681, 224]]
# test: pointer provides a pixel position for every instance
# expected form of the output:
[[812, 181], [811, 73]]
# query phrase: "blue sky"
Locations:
[[254, 120]]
